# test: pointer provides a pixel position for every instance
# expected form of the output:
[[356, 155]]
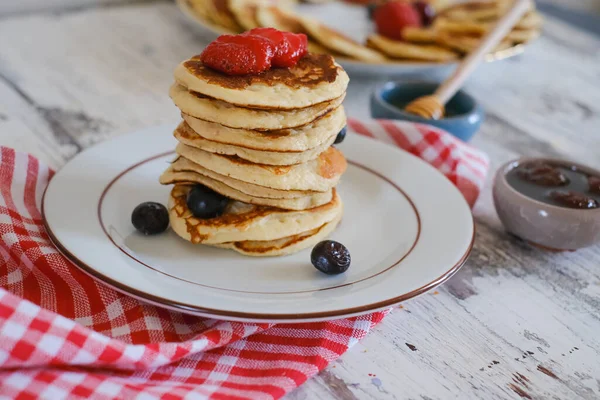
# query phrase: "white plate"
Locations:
[[407, 227], [353, 22]]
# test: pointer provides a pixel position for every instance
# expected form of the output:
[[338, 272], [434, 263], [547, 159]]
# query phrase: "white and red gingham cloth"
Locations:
[[64, 335]]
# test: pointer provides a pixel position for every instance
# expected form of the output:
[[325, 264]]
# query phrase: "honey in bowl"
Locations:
[[556, 184]]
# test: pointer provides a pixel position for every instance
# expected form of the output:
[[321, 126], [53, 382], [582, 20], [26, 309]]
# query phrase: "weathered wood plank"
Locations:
[[15, 8], [501, 328]]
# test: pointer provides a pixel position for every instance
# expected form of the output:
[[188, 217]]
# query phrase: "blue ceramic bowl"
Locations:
[[463, 114]]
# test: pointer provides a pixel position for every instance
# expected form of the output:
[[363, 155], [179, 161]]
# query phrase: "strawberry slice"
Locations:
[[276, 37], [290, 46], [392, 17], [298, 43], [239, 55]]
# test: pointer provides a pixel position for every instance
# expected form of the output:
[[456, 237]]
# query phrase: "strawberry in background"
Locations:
[[393, 17]]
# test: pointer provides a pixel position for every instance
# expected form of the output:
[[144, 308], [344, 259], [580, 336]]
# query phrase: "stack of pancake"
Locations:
[[264, 142]]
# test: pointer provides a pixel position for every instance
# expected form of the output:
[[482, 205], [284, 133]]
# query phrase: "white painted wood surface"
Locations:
[[514, 322]]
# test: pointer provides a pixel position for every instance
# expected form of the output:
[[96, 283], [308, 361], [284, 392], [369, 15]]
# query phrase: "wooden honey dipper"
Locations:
[[432, 106]]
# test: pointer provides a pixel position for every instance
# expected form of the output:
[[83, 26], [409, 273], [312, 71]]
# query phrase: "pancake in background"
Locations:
[[184, 134], [460, 27], [403, 50], [523, 35], [300, 203], [242, 221], [303, 138], [221, 15], [200, 10], [244, 12], [531, 20], [278, 18], [419, 35], [320, 174], [473, 11], [316, 78], [239, 117], [283, 246], [466, 44], [182, 164], [336, 42]]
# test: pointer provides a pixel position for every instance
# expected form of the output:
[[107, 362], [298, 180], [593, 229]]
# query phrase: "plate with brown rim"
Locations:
[[408, 229]]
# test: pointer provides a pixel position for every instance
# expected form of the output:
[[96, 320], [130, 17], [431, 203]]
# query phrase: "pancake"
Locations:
[[284, 246], [461, 27], [339, 43], [187, 136], [182, 164], [523, 35], [200, 10], [316, 78], [275, 17], [219, 13], [242, 221], [244, 12], [466, 44], [398, 49], [301, 203], [239, 117], [298, 139], [415, 34], [320, 174], [472, 10]]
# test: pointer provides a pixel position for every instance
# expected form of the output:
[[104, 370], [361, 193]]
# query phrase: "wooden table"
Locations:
[[514, 322]]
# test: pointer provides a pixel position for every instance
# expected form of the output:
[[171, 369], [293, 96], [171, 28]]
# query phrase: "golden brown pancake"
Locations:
[[298, 139], [316, 78], [320, 174], [403, 50], [188, 136], [339, 43], [201, 10], [283, 246], [276, 17], [247, 118], [419, 35], [244, 12], [465, 44], [242, 221], [170, 176], [182, 164], [220, 14]]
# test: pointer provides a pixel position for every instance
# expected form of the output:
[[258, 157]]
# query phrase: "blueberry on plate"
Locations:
[[150, 218], [205, 203], [341, 136], [330, 257]]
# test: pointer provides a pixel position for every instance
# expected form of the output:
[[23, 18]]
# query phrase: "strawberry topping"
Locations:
[[239, 55], [254, 51], [391, 18]]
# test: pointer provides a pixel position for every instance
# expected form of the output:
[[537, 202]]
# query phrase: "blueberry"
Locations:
[[341, 135], [150, 218], [330, 257], [205, 203]]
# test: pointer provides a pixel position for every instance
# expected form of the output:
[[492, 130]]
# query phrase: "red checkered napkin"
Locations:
[[63, 335]]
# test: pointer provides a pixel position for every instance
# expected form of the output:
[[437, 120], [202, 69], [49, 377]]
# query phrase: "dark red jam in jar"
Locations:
[[556, 184]]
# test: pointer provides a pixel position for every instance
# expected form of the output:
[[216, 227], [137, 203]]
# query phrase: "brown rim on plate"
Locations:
[[193, 309]]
